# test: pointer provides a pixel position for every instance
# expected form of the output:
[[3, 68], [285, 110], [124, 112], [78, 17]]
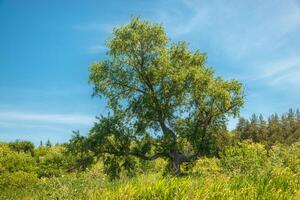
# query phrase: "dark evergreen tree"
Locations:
[[283, 129]]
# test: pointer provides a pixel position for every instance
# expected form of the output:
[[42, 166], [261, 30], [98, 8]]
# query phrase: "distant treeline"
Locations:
[[284, 129]]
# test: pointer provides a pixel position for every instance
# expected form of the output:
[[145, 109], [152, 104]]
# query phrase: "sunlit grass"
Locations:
[[279, 184], [235, 175]]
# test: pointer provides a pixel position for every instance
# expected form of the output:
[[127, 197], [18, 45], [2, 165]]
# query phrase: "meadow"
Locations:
[[243, 171]]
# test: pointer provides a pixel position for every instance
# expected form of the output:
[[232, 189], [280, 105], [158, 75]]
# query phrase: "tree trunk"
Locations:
[[178, 158], [175, 163]]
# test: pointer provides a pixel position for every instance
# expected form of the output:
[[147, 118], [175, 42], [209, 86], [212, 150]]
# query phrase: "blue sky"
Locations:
[[46, 47]]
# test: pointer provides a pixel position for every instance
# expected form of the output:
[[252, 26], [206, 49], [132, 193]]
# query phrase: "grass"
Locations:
[[278, 185], [244, 172]]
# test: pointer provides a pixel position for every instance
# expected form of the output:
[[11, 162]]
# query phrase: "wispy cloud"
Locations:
[[252, 34], [238, 28], [89, 27], [97, 49], [95, 27], [41, 126], [278, 69], [22, 126], [47, 118], [290, 78]]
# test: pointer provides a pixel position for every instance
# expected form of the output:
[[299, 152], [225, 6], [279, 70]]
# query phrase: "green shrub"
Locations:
[[51, 161], [12, 161], [286, 156], [207, 167], [245, 158], [22, 146]]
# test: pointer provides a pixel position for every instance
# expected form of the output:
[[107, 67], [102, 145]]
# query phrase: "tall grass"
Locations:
[[280, 184], [243, 172]]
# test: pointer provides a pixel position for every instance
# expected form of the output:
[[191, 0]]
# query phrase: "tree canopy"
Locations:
[[159, 89]]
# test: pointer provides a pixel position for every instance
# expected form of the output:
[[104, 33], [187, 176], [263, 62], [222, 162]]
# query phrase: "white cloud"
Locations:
[[95, 27], [46, 118], [24, 125], [97, 49], [251, 34], [280, 68], [91, 27], [291, 77], [186, 18], [237, 28]]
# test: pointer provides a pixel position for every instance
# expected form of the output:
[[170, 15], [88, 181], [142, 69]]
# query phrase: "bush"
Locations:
[[22, 146], [51, 161], [245, 158], [12, 161], [207, 166], [286, 157]]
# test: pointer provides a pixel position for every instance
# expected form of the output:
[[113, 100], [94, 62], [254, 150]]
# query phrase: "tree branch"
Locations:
[[128, 86], [136, 154], [192, 158], [154, 157]]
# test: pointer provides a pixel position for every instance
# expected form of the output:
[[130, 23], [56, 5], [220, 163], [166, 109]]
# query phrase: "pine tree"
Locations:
[[48, 143]]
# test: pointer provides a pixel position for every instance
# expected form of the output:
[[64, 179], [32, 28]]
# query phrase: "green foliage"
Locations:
[[50, 161], [244, 171], [163, 88], [207, 167], [279, 185], [18, 179], [17, 168], [13, 161], [284, 129], [111, 140], [245, 158], [22, 146], [286, 157], [78, 154]]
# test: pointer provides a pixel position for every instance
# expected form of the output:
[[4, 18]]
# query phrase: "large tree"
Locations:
[[159, 89]]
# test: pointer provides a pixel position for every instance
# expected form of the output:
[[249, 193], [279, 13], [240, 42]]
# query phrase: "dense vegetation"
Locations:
[[283, 129], [241, 169], [165, 136]]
